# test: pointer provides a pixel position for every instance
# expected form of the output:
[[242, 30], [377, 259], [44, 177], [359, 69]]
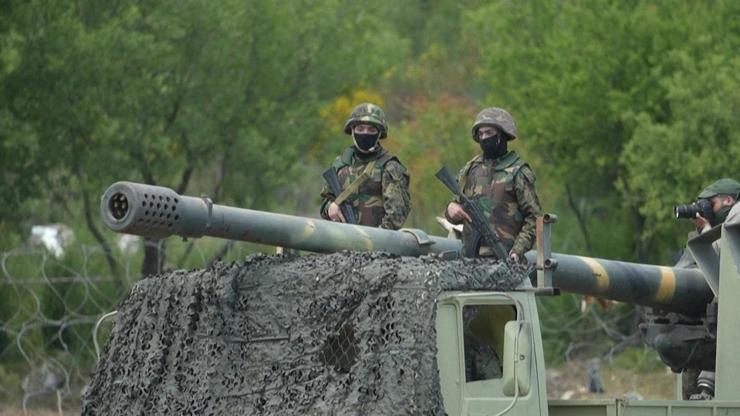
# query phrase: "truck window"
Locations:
[[483, 335]]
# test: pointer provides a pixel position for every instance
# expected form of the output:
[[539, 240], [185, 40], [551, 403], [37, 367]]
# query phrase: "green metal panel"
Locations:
[[518, 333], [677, 408], [618, 407], [451, 376], [728, 330], [606, 407]]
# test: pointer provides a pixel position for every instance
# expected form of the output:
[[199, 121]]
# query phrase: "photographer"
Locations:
[[715, 205], [723, 196]]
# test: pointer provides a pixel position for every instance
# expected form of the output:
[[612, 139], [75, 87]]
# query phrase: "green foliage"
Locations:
[[425, 143], [11, 384], [624, 109], [577, 328], [594, 84], [206, 99], [639, 359]]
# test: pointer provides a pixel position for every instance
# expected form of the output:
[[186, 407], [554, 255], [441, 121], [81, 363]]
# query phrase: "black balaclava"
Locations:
[[366, 143], [495, 146]]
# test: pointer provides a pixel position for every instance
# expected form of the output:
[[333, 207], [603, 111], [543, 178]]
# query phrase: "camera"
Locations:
[[702, 207]]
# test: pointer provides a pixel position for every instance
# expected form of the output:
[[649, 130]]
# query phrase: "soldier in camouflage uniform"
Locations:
[[502, 183], [377, 182]]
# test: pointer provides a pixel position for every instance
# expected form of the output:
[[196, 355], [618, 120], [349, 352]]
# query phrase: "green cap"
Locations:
[[724, 186]]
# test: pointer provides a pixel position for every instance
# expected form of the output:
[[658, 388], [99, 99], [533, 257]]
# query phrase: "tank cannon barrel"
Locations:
[[677, 290], [158, 212]]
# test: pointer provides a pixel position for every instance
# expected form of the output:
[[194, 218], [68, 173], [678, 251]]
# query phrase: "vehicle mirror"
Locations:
[[517, 357]]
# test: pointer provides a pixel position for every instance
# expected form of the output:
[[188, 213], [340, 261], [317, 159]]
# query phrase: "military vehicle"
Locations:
[[693, 327]]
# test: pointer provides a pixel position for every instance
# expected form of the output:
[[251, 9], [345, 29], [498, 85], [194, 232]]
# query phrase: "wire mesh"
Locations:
[[345, 334], [51, 307]]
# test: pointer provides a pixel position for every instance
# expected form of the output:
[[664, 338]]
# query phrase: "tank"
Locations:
[[682, 320], [158, 212]]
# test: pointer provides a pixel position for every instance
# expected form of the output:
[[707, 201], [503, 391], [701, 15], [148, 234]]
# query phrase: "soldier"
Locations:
[[374, 182], [503, 184]]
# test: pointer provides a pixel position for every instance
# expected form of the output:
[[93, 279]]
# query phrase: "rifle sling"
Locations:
[[352, 188]]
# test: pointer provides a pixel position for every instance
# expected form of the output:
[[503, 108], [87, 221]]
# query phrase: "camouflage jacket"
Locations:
[[505, 189], [383, 200]]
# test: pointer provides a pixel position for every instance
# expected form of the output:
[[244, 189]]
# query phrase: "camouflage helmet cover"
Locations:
[[724, 186], [367, 113], [495, 116]]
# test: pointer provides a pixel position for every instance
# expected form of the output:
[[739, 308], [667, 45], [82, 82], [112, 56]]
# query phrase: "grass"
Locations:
[[570, 381]]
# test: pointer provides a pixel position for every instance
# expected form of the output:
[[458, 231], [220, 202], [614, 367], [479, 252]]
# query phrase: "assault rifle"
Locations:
[[331, 178], [481, 230]]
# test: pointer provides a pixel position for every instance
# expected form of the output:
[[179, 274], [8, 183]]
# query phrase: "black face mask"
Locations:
[[366, 143], [494, 147]]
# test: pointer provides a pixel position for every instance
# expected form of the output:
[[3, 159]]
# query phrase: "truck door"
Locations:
[[472, 356]]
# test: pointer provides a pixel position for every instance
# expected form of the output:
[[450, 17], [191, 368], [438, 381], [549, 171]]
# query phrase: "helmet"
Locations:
[[367, 113], [724, 186], [498, 117]]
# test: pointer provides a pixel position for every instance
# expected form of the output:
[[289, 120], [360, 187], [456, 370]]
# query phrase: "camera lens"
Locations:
[[686, 211], [702, 207]]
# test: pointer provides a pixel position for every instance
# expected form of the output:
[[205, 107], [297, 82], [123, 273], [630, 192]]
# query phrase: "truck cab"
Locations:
[[505, 324]]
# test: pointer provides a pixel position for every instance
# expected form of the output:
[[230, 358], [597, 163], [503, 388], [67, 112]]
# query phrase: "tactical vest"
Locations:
[[367, 202], [492, 184]]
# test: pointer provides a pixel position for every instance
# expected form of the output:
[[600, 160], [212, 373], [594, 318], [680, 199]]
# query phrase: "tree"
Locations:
[[585, 80], [165, 91]]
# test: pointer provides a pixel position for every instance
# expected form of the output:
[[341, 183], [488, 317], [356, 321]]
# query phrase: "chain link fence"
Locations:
[[49, 308], [55, 316]]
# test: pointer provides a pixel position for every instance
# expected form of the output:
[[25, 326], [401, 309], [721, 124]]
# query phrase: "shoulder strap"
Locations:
[[345, 159], [352, 188]]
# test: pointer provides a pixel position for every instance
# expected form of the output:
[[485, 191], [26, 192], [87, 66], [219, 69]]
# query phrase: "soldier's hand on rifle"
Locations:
[[335, 213], [456, 212], [514, 257]]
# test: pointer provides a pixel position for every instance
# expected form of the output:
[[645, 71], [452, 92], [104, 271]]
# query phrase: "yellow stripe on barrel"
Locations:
[[667, 287], [602, 278], [307, 232], [368, 242]]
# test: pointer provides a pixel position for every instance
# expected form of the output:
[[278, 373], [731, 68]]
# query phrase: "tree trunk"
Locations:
[[154, 255], [643, 237], [107, 251], [581, 221]]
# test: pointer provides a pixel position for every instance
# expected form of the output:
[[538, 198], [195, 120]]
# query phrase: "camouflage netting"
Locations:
[[344, 334]]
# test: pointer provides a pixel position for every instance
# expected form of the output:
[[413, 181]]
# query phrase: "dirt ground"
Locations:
[[19, 412], [565, 382]]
